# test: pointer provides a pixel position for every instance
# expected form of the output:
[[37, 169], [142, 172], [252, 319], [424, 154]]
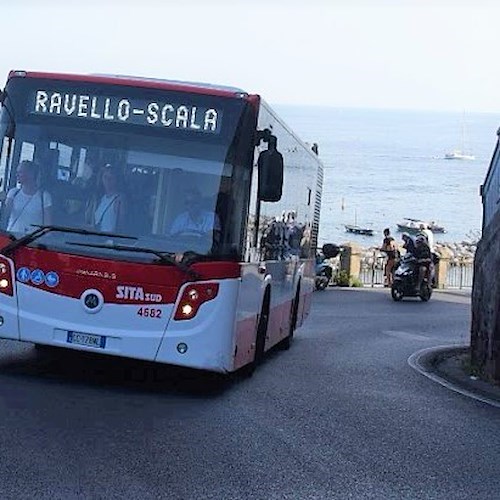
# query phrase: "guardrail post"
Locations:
[[350, 260], [442, 267]]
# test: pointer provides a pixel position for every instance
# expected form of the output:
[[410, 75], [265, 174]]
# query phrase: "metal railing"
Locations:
[[372, 270], [459, 274]]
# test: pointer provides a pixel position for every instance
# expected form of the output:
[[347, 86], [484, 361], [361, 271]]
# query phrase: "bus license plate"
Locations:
[[87, 339]]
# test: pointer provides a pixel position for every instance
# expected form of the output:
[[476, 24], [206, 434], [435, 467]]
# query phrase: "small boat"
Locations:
[[458, 155], [355, 229], [412, 226], [359, 230], [435, 228]]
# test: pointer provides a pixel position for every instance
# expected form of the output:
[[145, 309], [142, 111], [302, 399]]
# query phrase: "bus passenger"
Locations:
[[27, 206], [108, 208], [195, 220]]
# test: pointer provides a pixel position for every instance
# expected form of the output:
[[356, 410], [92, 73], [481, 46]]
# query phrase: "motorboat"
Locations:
[[413, 226]]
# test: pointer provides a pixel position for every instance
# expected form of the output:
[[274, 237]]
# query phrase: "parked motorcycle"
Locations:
[[323, 275], [324, 270], [405, 281]]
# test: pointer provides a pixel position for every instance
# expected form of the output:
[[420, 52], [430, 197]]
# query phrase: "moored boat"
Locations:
[[413, 226], [359, 230]]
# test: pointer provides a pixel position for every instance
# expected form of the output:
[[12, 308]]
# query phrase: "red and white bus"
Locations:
[[159, 220]]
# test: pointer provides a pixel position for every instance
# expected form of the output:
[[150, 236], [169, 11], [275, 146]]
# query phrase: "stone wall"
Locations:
[[485, 326]]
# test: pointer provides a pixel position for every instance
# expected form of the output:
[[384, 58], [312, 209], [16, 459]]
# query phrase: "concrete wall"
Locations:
[[485, 326]]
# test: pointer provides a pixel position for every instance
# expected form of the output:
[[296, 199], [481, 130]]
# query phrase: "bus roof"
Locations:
[[138, 81]]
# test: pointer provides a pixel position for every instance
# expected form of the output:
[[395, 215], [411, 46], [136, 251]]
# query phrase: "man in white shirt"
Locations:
[[27, 205]]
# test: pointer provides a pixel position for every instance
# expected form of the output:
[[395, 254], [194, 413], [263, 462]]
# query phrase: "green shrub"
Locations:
[[356, 282], [341, 278]]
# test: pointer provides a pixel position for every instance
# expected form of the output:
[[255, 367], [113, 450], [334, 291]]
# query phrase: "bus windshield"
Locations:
[[171, 169]]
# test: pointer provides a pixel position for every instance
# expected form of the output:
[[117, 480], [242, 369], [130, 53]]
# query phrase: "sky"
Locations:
[[389, 54]]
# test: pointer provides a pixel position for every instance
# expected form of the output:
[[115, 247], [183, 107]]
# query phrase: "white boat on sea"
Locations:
[[413, 226], [458, 155]]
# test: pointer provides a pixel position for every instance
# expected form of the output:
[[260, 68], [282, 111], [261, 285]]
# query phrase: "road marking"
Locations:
[[406, 335]]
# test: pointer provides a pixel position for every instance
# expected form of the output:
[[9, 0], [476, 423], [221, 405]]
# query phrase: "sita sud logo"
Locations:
[[136, 293]]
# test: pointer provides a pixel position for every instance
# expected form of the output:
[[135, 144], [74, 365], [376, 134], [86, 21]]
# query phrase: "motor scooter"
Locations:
[[323, 275], [324, 271], [405, 280]]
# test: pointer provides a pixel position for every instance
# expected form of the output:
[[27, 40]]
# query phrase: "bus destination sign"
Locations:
[[124, 110]]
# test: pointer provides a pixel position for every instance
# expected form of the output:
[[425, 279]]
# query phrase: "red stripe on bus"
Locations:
[[79, 273]]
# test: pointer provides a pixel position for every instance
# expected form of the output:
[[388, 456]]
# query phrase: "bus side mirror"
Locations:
[[270, 165]]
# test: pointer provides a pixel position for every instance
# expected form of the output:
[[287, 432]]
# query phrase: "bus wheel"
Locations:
[[260, 341], [287, 341]]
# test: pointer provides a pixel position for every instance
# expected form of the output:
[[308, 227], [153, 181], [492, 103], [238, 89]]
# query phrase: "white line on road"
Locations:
[[406, 335]]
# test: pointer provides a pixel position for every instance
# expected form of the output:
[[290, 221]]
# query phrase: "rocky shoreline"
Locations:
[[458, 253]]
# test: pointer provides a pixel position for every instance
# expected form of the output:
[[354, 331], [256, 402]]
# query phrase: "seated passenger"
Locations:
[[409, 244], [195, 220], [28, 205], [424, 259], [108, 209]]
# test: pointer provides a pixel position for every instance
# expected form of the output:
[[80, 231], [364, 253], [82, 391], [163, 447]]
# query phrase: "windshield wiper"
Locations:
[[164, 257], [42, 230]]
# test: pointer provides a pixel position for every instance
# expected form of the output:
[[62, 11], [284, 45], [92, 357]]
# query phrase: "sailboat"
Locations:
[[460, 154], [354, 228]]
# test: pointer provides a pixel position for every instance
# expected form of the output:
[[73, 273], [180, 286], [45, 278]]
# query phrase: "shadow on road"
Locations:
[[76, 367]]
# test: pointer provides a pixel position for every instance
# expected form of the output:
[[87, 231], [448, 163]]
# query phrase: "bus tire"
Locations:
[[294, 311], [260, 338]]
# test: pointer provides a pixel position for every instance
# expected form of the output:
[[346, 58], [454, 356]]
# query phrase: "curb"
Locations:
[[456, 292], [427, 362]]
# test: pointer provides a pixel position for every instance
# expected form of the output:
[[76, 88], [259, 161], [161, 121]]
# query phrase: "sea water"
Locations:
[[383, 166]]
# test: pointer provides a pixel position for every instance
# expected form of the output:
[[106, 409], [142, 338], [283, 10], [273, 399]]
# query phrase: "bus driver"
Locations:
[[195, 220]]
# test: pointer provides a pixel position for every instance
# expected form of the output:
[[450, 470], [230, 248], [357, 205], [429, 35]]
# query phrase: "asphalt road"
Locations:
[[339, 415]]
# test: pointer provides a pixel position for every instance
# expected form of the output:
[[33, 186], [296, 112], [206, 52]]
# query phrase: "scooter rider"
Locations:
[[424, 259]]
